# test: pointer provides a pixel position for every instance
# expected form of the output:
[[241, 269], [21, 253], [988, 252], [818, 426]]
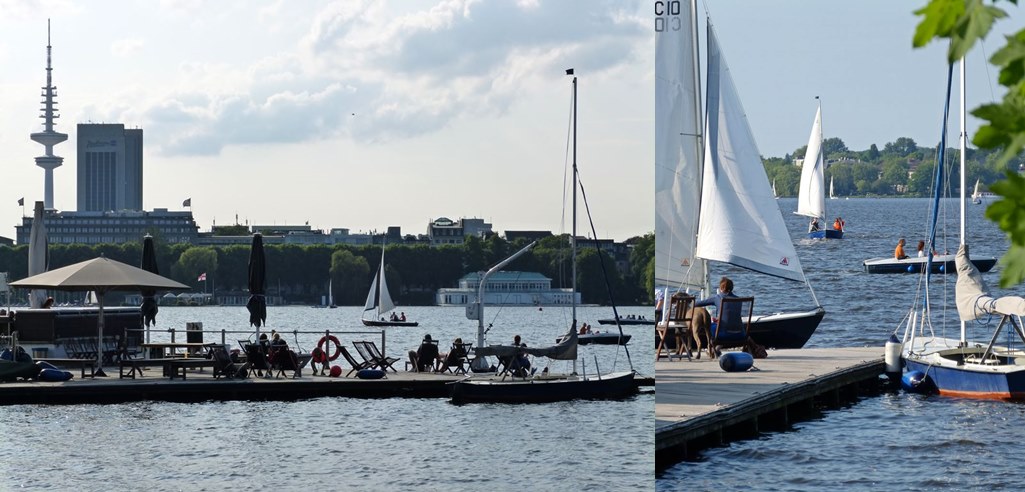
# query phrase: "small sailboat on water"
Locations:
[[832, 191], [811, 200], [380, 303], [976, 196]]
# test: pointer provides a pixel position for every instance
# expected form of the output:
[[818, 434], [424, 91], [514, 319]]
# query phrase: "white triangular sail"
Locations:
[[379, 300], [371, 303], [330, 296], [740, 222], [975, 194], [774, 193], [832, 193], [811, 195], [678, 142]]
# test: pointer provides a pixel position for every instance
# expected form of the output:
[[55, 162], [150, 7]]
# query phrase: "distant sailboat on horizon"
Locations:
[[832, 193], [774, 194]]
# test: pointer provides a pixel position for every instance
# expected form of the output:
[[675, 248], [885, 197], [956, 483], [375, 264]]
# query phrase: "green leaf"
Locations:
[[938, 19], [1012, 267], [973, 25]]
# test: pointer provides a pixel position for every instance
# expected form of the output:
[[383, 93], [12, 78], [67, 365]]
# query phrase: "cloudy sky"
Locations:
[[344, 114], [365, 114]]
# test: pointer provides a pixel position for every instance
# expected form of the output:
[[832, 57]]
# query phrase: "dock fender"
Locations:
[[736, 361], [917, 382], [370, 374], [45, 365], [54, 375], [891, 354]]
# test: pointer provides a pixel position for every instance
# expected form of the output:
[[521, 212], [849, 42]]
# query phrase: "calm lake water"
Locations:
[[901, 441], [346, 443]]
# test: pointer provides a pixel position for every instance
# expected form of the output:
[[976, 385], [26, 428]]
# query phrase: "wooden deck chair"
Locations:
[[731, 330], [678, 322], [356, 365], [458, 358], [256, 360]]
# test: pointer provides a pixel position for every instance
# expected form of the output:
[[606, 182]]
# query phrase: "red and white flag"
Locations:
[[202, 277]]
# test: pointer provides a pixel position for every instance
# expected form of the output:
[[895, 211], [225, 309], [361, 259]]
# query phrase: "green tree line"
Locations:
[[300, 274], [901, 168]]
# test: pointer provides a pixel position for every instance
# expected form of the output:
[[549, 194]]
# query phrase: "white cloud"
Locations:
[[125, 48], [403, 74]]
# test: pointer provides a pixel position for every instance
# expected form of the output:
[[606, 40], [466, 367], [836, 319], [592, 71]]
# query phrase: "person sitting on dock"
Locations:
[[520, 364], [898, 253], [921, 249], [425, 358], [394, 317], [814, 225]]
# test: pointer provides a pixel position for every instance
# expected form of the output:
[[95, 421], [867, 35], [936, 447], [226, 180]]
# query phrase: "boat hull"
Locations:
[[1003, 382], [600, 339], [626, 321], [940, 264], [826, 234], [609, 387], [370, 322], [785, 330]]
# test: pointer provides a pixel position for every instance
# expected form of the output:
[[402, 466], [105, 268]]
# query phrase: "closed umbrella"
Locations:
[[149, 296], [37, 254], [257, 304], [101, 275]]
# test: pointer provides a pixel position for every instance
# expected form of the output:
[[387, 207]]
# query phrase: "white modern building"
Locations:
[[507, 289]]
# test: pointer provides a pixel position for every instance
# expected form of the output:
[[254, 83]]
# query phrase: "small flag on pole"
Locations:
[[202, 277], [187, 202], [21, 201]]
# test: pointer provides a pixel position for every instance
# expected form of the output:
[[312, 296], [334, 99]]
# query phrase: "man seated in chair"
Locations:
[[281, 356], [733, 311], [455, 357], [425, 357]]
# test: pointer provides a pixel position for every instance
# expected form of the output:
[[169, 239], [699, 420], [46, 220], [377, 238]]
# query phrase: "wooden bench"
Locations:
[[84, 364], [136, 366], [181, 366]]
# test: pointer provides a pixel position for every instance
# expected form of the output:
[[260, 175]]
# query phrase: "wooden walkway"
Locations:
[[697, 404]]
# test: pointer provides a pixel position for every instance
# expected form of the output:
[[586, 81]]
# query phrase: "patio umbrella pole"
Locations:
[[99, 328]]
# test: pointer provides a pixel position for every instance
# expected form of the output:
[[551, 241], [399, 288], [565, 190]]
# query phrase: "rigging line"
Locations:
[[989, 76], [605, 274]]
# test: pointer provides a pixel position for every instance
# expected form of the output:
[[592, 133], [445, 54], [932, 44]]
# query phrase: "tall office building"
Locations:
[[109, 168]]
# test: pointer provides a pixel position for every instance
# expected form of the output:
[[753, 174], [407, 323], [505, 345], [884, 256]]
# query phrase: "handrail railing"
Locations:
[[252, 333]]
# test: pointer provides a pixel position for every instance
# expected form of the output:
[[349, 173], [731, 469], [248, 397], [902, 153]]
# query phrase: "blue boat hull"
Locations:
[[916, 265], [973, 381], [826, 234], [543, 391]]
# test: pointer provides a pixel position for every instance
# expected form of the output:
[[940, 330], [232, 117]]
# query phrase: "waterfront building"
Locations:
[[109, 168], [447, 231], [113, 227], [507, 288]]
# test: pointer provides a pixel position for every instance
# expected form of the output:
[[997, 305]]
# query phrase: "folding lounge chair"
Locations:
[[356, 365], [678, 322], [370, 353], [256, 360]]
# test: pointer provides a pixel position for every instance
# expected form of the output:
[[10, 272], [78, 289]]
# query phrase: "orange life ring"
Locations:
[[333, 339]]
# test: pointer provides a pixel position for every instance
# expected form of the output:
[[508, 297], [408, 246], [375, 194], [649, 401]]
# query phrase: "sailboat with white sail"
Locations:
[[545, 386], [380, 303], [718, 208], [832, 191], [811, 197], [965, 368], [976, 196]]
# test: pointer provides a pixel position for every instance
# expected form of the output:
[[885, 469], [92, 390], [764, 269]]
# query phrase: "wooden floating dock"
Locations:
[[698, 405], [201, 386]]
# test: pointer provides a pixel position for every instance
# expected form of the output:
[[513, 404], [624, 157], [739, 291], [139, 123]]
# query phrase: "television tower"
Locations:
[[48, 137]]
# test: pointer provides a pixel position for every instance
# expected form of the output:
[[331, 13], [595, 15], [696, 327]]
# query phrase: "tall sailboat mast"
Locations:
[[964, 148]]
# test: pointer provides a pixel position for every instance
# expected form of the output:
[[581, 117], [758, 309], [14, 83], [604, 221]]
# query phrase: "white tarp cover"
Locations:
[[740, 222], [564, 350], [971, 292]]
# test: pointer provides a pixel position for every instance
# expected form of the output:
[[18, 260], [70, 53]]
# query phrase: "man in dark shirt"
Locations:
[[427, 354]]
